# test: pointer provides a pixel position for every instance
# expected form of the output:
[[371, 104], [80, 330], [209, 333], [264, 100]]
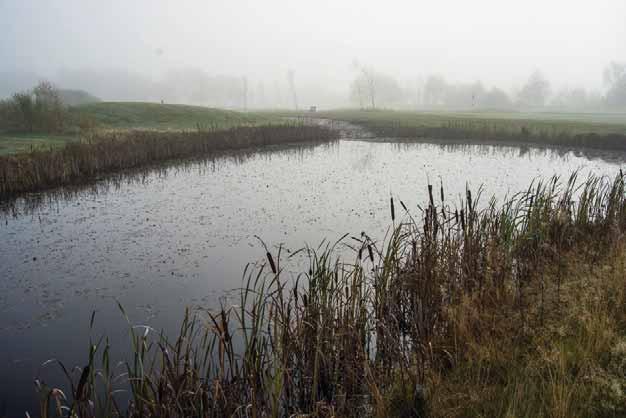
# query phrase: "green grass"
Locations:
[[573, 123], [134, 115], [19, 143], [125, 115]]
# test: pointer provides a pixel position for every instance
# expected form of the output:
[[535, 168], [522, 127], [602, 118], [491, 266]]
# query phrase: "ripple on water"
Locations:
[[184, 238]]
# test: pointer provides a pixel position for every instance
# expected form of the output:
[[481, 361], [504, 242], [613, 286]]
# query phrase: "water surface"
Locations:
[[182, 236]]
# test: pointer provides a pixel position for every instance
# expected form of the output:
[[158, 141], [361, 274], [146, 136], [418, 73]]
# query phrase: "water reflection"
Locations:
[[160, 239], [520, 150], [29, 203]]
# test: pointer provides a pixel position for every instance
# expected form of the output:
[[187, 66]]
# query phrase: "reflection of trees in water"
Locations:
[[51, 199]]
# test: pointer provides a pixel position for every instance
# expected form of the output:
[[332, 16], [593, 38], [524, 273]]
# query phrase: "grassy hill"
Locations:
[[125, 115], [133, 115]]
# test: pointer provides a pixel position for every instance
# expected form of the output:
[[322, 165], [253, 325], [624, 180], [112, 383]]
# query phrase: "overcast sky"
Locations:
[[497, 41]]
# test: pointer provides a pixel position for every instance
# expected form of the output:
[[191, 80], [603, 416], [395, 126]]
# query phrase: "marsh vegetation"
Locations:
[[511, 308], [599, 131], [103, 153]]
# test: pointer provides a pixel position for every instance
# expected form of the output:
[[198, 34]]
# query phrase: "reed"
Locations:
[[493, 132], [374, 332], [108, 152], [485, 128]]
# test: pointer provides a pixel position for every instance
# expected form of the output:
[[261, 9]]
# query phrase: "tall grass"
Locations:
[[104, 153], [366, 337], [499, 132], [472, 130]]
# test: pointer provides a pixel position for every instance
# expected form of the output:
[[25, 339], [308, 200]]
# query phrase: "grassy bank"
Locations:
[[136, 115], [20, 143], [602, 131], [103, 153], [121, 116], [514, 310]]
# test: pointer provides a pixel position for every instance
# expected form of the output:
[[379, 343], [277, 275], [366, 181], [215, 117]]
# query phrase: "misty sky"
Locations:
[[497, 41]]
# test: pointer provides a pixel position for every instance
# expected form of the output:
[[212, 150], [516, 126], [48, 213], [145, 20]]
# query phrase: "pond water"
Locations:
[[183, 235]]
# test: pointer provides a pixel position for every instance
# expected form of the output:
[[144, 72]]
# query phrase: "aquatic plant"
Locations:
[[486, 128], [108, 152], [454, 292]]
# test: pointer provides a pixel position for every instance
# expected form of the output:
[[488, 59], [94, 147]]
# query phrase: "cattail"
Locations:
[[393, 211], [271, 261], [371, 253], [462, 220], [430, 195]]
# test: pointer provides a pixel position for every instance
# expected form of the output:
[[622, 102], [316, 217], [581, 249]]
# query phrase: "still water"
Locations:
[[182, 236]]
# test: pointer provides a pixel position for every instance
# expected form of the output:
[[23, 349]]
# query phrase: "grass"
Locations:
[[135, 115], [569, 363], [110, 152], [514, 309], [121, 116], [23, 143], [540, 127], [605, 131], [600, 123]]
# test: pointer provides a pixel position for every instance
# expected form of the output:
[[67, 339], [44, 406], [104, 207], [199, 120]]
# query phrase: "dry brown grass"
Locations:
[[104, 153], [513, 310]]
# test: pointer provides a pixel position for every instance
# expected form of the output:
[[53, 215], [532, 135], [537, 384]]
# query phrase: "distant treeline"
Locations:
[[372, 89]]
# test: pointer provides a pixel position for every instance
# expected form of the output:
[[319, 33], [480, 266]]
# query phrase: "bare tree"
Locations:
[[292, 86], [381, 89], [435, 90], [365, 81], [536, 90], [615, 79], [370, 79], [244, 81], [614, 72]]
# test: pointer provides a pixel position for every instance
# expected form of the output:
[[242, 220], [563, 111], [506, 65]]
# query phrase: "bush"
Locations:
[[38, 110]]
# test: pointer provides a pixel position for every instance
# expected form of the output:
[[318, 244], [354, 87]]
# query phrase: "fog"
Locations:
[[242, 51]]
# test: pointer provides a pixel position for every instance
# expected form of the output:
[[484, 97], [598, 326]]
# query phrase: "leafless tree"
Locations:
[[244, 81], [292, 86]]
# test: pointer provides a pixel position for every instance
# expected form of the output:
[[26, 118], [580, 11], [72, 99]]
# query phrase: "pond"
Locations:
[[181, 236]]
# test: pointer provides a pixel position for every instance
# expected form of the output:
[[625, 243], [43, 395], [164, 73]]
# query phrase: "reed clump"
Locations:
[[493, 131], [108, 152], [432, 322]]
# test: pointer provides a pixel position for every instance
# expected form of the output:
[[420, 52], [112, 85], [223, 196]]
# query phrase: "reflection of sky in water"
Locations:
[[181, 239]]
